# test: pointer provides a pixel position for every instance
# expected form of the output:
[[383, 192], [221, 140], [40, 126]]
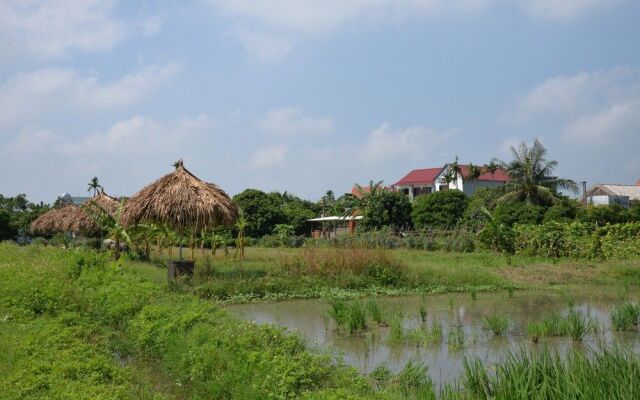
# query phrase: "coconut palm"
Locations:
[[94, 185], [491, 168], [532, 179], [473, 174], [454, 171]]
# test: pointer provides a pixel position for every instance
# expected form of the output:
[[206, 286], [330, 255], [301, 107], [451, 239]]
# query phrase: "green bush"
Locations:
[[442, 209], [578, 240], [509, 214]]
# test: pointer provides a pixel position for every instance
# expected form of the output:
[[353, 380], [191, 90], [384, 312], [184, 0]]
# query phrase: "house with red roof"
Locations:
[[429, 180]]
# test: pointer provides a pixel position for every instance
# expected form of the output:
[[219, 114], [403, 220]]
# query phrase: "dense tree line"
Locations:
[[16, 213]]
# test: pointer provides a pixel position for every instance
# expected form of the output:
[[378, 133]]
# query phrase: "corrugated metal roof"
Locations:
[[632, 191], [335, 218]]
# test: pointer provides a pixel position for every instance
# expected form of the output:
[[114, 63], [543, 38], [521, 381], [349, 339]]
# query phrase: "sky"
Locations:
[[307, 96]]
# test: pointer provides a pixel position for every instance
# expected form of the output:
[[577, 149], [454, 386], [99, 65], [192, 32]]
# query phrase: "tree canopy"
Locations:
[[532, 178], [439, 209]]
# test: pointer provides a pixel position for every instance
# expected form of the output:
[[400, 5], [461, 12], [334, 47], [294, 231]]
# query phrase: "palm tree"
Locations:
[[94, 185], [473, 174], [491, 168], [454, 170], [532, 179]]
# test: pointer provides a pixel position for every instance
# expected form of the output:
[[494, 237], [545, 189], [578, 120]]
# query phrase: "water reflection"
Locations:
[[456, 312]]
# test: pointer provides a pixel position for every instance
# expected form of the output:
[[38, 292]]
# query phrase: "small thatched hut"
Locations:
[[182, 201], [69, 218], [105, 202]]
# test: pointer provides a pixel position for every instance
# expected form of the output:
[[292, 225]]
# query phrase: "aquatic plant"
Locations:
[[474, 293], [455, 339], [424, 335], [607, 374], [375, 312], [535, 330], [423, 314], [414, 379], [357, 317], [625, 317], [396, 330], [577, 325], [496, 323]]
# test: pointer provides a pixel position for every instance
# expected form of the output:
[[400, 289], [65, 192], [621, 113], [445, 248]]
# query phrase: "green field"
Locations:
[[284, 273]]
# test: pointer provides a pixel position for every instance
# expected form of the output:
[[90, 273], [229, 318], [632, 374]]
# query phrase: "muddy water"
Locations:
[[454, 312]]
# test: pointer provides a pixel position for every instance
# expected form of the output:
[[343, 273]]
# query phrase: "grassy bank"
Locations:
[[276, 274]]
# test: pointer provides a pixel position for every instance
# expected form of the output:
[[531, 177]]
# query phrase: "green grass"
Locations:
[[74, 325], [608, 374], [271, 274], [496, 323], [625, 316]]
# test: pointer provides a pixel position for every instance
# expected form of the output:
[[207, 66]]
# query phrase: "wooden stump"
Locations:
[[176, 268]]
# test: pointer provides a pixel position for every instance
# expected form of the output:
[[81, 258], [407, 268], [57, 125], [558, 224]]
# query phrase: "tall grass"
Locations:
[[456, 339], [376, 264], [351, 316], [526, 374], [496, 323], [578, 325], [625, 316]]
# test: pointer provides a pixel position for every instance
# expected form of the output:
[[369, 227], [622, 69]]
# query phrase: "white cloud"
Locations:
[[564, 9], [45, 29], [414, 142], [51, 28], [292, 121], [268, 29], [151, 25], [125, 155], [565, 96], [590, 119], [586, 106], [137, 135], [264, 46], [26, 95], [620, 119], [268, 157]]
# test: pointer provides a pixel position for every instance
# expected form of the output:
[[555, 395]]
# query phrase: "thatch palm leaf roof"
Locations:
[[182, 201], [105, 202], [69, 218]]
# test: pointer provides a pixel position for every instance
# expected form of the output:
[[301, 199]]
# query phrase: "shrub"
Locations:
[[509, 214], [439, 209]]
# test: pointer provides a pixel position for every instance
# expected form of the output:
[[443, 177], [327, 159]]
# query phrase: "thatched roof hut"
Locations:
[[104, 202], [182, 201], [69, 218]]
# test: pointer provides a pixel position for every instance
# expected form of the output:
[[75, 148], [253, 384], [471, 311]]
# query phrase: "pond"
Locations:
[[455, 312]]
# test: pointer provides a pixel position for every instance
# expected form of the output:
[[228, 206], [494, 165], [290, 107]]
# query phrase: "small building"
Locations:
[[418, 182], [66, 198], [333, 226], [429, 180], [469, 186], [604, 194]]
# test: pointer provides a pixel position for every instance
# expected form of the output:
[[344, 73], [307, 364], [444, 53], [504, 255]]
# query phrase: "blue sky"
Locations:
[[307, 96]]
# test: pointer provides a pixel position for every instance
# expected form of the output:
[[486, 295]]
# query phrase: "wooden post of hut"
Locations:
[[183, 202]]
